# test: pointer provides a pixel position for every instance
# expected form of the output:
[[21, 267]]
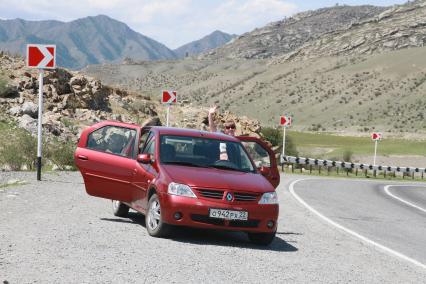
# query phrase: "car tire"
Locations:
[[153, 219], [263, 239], [119, 209]]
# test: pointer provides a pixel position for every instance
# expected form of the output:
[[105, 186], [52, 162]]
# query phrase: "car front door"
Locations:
[[107, 161], [263, 157], [144, 173]]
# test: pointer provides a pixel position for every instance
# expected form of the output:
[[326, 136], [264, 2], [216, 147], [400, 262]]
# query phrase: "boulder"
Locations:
[[30, 109], [15, 111], [28, 123]]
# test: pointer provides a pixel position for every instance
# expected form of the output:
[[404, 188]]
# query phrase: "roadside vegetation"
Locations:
[[18, 150], [328, 146]]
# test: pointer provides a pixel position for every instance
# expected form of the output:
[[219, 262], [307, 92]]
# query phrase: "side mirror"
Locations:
[[265, 171], [144, 158]]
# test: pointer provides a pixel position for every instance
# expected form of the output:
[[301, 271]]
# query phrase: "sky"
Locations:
[[174, 22]]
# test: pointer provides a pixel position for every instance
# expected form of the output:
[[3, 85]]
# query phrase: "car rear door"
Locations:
[[263, 156], [106, 158]]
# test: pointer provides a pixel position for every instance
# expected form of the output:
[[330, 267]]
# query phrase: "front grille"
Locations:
[[221, 222], [207, 220], [244, 224], [239, 196], [207, 193]]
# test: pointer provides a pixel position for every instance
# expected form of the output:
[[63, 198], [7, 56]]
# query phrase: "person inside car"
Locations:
[[229, 125]]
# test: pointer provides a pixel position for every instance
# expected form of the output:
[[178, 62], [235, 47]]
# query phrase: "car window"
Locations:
[[145, 139], [204, 152], [150, 147], [113, 139], [259, 155]]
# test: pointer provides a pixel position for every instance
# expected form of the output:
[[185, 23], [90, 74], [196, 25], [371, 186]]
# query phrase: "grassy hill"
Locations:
[[350, 94]]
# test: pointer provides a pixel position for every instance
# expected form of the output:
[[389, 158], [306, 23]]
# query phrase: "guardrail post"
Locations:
[[292, 168], [384, 174], [374, 173], [328, 171], [319, 170], [365, 172], [356, 172], [310, 169], [422, 175], [413, 175], [337, 168], [347, 172]]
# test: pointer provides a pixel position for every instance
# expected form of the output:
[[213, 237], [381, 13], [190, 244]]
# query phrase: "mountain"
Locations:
[[211, 41], [402, 26], [285, 36], [89, 40], [353, 77]]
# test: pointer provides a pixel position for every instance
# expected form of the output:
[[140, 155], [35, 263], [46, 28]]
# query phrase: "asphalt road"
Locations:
[[53, 232]]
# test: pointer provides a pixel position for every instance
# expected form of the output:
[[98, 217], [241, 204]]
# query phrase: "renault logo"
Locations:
[[229, 196]]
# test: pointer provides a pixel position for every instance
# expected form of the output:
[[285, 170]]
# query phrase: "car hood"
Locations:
[[217, 178]]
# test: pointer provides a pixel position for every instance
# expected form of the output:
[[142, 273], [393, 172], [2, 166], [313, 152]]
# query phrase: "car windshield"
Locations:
[[204, 152]]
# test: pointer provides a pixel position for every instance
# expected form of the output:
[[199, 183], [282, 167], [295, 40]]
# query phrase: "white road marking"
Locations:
[[402, 200], [353, 233]]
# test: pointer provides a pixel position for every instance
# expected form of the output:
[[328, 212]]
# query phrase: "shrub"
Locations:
[[62, 154], [275, 136], [347, 155], [20, 149]]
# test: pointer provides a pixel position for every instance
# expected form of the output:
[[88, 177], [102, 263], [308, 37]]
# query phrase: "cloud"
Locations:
[[172, 22]]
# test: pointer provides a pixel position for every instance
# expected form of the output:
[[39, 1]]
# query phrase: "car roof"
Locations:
[[162, 130]]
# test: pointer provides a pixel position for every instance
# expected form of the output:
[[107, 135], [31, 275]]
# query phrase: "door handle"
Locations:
[[84, 158]]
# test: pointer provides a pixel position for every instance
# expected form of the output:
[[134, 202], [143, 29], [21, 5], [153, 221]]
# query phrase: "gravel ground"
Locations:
[[53, 232]]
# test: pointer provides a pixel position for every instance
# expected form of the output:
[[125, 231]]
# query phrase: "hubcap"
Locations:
[[154, 215]]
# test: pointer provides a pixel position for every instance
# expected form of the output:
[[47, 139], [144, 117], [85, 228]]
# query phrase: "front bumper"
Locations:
[[195, 213]]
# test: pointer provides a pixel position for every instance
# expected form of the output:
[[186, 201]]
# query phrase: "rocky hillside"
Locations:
[[285, 36], [89, 40], [73, 101], [211, 41], [396, 28], [344, 94]]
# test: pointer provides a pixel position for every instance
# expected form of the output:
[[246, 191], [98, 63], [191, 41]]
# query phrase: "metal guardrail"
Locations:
[[353, 166]]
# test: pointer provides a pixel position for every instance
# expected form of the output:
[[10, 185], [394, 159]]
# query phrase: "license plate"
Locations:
[[228, 214]]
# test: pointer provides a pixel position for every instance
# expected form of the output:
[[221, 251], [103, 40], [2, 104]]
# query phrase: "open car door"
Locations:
[[106, 157], [264, 158]]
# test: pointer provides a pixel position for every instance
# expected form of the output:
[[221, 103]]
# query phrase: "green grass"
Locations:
[[336, 145]]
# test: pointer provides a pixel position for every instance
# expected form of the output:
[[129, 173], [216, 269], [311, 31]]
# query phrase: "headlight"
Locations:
[[269, 198], [180, 189]]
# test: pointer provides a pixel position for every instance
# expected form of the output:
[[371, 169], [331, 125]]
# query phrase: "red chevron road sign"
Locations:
[[42, 56], [376, 136], [285, 120], [169, 97]]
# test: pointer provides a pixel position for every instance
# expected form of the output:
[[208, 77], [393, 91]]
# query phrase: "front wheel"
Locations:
[[153, 219], [262, 239], [119, 209]]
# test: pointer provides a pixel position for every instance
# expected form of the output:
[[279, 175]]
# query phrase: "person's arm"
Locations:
[[212, 124]]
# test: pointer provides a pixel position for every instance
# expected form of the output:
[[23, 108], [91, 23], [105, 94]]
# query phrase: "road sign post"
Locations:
[[285, 121], [168, 98], [42, 57], [376, 137]]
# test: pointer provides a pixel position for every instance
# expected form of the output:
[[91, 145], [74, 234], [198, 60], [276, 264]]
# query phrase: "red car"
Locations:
[[182, 177]]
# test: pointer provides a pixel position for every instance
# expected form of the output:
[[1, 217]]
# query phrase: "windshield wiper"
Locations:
[[189, 164], [223, 167]]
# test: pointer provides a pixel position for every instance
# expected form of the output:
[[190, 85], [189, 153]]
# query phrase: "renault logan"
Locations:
[[182, 177]]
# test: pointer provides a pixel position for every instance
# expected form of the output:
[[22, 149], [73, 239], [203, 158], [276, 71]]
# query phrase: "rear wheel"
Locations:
[[262, 239], [153, 219], [119, 209]]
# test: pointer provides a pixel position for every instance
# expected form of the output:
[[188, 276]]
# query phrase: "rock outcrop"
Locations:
[[73, 101]]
